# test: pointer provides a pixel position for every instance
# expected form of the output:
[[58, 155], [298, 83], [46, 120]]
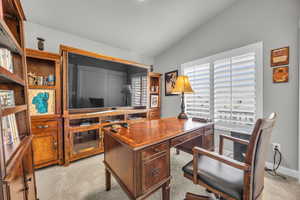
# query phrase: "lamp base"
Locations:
[[182, 116]]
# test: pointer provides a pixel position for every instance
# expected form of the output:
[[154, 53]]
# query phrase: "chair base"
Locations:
[[190, 196]]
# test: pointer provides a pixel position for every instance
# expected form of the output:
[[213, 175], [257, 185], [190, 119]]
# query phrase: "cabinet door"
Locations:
[[17, 187], [29, 175], [45, 148]]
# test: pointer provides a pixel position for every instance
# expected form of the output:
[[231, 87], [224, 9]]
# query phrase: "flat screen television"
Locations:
[[95, 83]]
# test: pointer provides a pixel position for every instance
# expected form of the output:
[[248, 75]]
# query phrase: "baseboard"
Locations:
[[285, 171]]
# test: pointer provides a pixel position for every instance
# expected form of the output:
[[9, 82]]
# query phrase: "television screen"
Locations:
[[94, 83]]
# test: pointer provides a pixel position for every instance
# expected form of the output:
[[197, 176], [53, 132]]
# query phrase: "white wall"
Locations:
[[275, 22], [54, 38]]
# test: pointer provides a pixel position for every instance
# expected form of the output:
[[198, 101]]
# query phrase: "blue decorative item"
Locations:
[[41, 102]]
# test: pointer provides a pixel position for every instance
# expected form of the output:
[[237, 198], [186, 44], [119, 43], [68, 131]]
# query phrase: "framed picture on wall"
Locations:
[[170, 81], [281, 74], [154, 101], [280, 56], [41, 102]]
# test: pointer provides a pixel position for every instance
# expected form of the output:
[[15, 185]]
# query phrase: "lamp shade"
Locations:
[[182, 85]]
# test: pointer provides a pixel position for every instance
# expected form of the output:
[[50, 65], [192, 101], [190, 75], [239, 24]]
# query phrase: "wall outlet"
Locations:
[[276, 146]]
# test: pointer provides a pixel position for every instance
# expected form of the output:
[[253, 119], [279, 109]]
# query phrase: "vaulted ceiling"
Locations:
[[146, 27]]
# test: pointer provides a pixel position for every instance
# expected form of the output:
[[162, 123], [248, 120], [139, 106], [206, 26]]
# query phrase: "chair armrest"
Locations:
[[234, 139], [224, 159]]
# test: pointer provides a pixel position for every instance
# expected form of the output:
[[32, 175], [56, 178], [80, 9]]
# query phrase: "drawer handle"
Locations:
[[24, 189], [43, 126], [155, 171], [54, 145]]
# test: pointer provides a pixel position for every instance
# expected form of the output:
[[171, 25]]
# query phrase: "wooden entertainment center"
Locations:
[[83, 128]]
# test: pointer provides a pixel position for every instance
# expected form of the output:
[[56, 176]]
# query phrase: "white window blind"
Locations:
[[198, 104], [139, 90], [235, 89]]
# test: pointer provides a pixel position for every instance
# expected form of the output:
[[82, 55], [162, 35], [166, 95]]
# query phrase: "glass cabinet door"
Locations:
[[86, 141]]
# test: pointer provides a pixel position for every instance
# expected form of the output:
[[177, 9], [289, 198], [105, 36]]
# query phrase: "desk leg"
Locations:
[[107, 180], [166, 191]]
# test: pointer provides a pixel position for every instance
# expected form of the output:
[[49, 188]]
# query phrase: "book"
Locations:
[[10, 129], [6, 59], [7, 98]]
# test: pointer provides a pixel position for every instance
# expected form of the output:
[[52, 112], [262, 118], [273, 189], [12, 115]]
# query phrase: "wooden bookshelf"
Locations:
[[47, 128], [8, 77], [16, 164], [155, 89]]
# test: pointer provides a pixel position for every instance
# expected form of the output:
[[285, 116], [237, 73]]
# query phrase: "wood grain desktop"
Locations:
[[139, 156]]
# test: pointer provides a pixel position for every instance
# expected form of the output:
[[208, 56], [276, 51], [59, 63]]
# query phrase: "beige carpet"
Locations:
[[84, 180]]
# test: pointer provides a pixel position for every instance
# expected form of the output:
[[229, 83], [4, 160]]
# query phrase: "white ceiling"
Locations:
[[146, 27]]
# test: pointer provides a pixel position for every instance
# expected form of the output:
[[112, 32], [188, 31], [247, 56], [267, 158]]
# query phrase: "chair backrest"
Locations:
[[257, 153]]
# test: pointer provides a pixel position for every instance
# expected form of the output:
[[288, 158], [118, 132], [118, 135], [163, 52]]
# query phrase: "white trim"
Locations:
[[285, 171]]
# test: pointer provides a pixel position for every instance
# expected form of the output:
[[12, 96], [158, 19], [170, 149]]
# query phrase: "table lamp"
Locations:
[[182, 87]]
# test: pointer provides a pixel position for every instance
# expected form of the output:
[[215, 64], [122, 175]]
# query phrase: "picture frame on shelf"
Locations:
[[170, 80], [154, 101], [280, 56], [41, 101], [281, 74]]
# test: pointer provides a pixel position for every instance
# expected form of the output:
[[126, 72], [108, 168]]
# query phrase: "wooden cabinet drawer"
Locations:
[[39, 127], [181, 139], [155, 150], [155, 171], [154, 114]]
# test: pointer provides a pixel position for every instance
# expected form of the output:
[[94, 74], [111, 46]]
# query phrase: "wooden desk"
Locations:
[[139, 156]]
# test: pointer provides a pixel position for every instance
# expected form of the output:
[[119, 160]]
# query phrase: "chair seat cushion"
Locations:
[[218, 175]]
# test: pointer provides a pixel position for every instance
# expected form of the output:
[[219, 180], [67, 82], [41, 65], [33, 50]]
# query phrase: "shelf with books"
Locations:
[[13, 109], [46, 87], [9, 77]]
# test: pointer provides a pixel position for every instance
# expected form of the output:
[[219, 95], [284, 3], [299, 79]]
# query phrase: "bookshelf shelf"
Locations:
[[47, 87], [84, 128], [14, 154], [7, 38], [8, 77], [13, 109]]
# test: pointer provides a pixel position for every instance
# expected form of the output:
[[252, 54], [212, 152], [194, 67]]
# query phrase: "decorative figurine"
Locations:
[[41, 43]]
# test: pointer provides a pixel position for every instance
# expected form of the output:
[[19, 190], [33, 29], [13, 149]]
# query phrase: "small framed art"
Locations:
[[154, 101], [170, 81], [41, 102], [281, 74], [280, 56]]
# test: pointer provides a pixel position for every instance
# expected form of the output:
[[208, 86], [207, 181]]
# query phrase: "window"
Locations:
[[198, 104], [234, 90], [139, 90], [228, 86]]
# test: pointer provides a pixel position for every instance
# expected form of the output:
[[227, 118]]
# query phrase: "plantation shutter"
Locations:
[[144, 91], [139, 90], [234, 90], [198, 104]]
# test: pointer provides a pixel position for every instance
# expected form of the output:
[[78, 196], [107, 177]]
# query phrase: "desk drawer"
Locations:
[[184, 138], [155, 150], [39, 127], [155, 171], [154, 114]]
